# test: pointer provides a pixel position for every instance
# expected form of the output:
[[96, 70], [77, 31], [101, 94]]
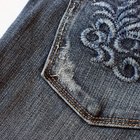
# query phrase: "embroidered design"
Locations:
[[115, 37]]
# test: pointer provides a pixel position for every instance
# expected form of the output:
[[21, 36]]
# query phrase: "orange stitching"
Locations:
[[57, 85]]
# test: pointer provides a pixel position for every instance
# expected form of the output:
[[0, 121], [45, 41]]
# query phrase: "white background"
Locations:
[[9, 10]]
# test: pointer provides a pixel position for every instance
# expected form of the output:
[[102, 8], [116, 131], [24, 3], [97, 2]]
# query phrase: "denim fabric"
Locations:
[[94, 63], [30, 108]]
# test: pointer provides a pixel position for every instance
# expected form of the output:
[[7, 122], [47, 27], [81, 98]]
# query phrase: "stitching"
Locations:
[[59, 86], [89, 117], [67, 95], [119, 24]]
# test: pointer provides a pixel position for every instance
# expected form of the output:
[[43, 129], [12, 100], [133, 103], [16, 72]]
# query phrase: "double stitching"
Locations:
[[65, 94]]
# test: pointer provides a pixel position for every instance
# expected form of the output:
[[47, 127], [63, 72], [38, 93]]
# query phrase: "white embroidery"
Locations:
[[122, 24], [136, 66]]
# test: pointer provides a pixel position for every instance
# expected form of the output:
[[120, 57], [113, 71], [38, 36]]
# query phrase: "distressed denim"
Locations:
[[70, 70]]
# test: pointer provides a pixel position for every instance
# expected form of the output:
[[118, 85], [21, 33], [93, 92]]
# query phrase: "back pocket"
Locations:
[[94, 62]]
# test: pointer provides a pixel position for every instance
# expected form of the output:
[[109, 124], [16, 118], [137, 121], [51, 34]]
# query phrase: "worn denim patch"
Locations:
[[94, 62]]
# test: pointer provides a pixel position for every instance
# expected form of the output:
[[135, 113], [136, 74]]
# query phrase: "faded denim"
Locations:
[[82, 52]]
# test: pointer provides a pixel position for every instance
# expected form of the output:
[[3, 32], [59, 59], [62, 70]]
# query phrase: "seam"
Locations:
[[80, 109], [66, 94]]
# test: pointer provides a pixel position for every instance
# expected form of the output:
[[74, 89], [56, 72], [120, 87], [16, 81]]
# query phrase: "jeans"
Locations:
[[70, 70]]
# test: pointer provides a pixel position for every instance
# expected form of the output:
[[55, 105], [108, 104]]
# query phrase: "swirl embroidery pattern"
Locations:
[[115, 38]]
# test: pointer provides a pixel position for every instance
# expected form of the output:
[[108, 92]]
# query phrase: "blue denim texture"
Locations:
[[30, 108], [92, 66]]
